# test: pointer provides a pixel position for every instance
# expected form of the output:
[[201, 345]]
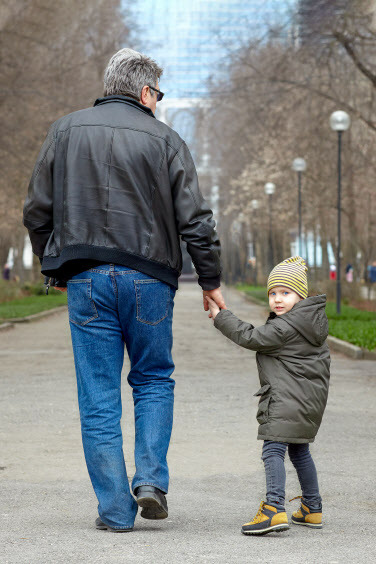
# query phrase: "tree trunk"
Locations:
[[314, 231], [18, 244], [4, 250], [352, 231], [325, 257]]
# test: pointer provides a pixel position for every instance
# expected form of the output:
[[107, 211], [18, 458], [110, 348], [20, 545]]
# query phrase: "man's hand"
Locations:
[[214, 309], [60, 289], [216, 296]]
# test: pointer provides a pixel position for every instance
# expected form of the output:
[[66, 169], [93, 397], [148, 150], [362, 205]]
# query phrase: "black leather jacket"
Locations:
[[112, 184]]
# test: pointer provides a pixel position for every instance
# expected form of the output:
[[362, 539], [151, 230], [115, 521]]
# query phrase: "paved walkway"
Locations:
[[47, 507]]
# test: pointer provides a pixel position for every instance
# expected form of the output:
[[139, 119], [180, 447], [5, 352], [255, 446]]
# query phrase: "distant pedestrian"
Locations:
[[333, 272], [6, 272], [293, 362], [349, 273], [371, 273]]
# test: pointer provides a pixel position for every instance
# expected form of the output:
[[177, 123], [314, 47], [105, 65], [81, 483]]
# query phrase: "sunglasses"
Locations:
[[159, 95]]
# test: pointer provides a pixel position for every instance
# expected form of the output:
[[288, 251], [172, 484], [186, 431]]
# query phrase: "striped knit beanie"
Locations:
[[291, 273]]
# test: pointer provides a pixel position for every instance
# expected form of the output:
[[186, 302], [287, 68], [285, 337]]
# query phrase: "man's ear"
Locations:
[[144, 93]]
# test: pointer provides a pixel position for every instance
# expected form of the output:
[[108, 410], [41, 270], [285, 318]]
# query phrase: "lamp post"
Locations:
[[255, 205], [299, 165], [269, 191], [339, 121], [243, 246]]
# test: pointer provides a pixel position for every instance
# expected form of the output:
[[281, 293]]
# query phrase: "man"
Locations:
[[112, 190]]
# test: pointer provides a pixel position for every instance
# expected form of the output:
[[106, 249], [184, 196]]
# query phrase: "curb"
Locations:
[[6, 326], [369, 355], [36, 316], [349, 349], [344, 347]]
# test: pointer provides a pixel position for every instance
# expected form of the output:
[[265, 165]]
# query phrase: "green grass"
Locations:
[[31, 304], [360, 333], [257, 292], [353, 325], [349, 313]]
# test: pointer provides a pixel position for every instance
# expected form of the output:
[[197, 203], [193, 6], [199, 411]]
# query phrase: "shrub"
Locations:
[[31, 289], [9, 290]]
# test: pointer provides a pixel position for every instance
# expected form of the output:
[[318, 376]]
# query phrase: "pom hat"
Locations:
[[291, 273]]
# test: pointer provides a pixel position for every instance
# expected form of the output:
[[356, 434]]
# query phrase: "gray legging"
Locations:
[[273, 455]]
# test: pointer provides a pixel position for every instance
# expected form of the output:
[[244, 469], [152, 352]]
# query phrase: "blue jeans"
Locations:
[[273, 455], [111, 306]]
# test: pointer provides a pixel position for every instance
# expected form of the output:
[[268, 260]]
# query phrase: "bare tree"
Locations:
[[53, 57], [275, 105]]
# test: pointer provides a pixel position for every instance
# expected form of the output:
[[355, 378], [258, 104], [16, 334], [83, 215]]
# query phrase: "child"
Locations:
[[293, 363]]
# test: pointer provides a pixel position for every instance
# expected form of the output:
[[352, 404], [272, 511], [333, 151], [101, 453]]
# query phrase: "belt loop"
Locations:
[[112, 267]]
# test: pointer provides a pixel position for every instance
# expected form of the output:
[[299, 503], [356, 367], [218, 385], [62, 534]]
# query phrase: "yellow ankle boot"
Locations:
[[267, 520], [304, 516]]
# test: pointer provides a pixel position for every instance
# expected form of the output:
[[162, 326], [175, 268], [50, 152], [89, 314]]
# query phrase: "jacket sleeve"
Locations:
[[195, 220], [37, 212], [267, 338]]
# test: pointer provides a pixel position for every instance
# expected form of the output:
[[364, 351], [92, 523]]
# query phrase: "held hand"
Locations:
[[215, 295], [214, 309]]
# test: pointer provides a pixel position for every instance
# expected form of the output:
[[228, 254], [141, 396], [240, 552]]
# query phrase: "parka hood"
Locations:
[[309, 318]]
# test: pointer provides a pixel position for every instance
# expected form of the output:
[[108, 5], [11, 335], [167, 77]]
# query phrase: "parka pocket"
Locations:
[[263, 407]]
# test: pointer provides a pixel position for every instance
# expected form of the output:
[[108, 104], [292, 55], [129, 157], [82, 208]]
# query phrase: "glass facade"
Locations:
[[191, 40], [190, 37]]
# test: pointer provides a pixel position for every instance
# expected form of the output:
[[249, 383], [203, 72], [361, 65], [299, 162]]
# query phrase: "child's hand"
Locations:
[[214, 309]]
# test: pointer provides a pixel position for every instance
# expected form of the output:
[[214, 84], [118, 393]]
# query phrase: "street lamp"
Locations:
[[339, 121], [269, 191], [299, 165], [255, 205]]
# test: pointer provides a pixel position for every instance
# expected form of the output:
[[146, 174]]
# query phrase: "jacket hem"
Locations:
[[293, 440], [58, 267]]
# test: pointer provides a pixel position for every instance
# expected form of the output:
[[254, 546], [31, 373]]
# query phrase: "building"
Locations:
[[191, 38]]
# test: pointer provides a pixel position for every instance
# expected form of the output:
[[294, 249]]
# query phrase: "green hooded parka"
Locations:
[[293, 362]]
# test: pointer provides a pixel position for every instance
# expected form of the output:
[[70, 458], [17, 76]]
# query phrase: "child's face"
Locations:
[[282, 299]]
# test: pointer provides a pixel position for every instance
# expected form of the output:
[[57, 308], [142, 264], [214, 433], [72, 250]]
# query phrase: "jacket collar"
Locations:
[[124, 100]]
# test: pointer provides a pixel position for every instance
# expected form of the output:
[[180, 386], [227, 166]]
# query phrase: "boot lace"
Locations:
[[259, 514]]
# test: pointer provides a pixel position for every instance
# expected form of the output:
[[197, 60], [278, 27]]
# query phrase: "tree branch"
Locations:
[[347, 45]]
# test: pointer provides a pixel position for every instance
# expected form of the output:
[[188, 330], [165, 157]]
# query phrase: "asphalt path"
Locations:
[[48, 508]]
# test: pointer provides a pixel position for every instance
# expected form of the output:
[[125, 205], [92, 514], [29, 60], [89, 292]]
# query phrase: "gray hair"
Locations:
[[128, 72]]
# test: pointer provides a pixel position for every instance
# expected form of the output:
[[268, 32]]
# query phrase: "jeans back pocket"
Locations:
[[81, 306], [153, 300]]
